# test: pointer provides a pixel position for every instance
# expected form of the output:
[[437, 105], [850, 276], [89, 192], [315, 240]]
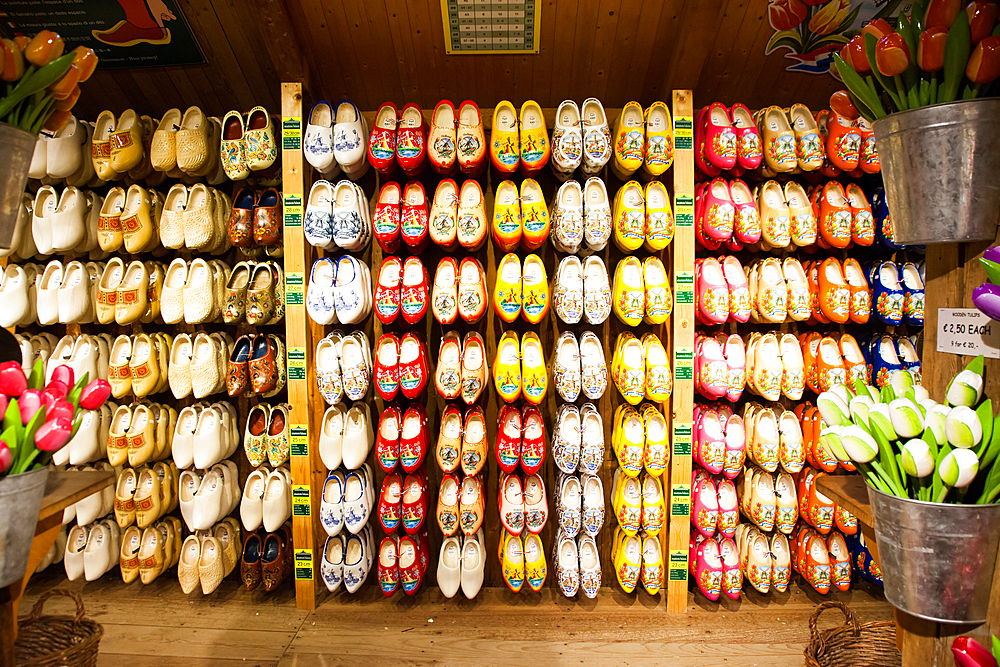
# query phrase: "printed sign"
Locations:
[[291, 133], [293, 210], [299, 440], [296, 363], [490, 26], [967, 331], [685, 287], [124, 34], [684, 363], [684, 209], [303, 564], [678, 565], [682, 440], [294, 288], [684, 133], [680, 500], [300, 500]]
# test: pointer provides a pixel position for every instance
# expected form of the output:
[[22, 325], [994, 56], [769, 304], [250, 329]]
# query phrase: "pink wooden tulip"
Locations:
[[12, 380], [60, 409], [52, 435], [63, 374], [94, 394], [28, 403], [5, 456]]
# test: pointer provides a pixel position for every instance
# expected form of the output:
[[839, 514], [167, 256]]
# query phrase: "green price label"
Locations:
[[296, 363], [685, 286], [680, 500], [299, 440], [294, 288], [682, 440], [678, 565], [684, 210], [684, 363], [303, 564], [684, 133], [300, 500], [293, 210], [291, 134]]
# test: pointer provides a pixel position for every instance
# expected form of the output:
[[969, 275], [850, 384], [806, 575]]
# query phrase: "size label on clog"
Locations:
[[303, 564], [684, 209], [684, 363], [294, 288], [967, 331], [684, 133], [682, 440], [291, 133], [296, 363], [680, 500], [299, 434], [685, 287], [293, 210], [678, 565], [301, 505]]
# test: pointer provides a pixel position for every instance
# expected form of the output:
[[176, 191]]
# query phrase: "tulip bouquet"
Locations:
[[42, 83], [38, 418], [943, 51], [909, 445]]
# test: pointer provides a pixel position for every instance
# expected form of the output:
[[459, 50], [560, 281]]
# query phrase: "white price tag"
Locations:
[[967, 331]]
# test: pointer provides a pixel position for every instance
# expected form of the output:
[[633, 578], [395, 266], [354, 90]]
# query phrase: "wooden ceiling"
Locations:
[[372, 51]]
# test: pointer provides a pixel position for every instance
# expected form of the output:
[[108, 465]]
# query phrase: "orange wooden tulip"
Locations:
[[879, 27], [930, 50], [56, 121], [892, 56], [69, 101], [853, 54], [982, 18], [786, 14], [61, 89], [13, 61], [21, 41], [941, 13], [984, 63], [842, 105], [86, 62], [43, 48]]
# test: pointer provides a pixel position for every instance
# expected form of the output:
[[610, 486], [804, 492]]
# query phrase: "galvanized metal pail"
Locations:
[[936, 559], [940, 165], [20, 499], [16, 148]]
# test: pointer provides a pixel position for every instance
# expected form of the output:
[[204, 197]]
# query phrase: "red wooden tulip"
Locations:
[[854, 54], [57, 388], [941, 13], [982, 18], [5, 456], [28, 403], [879, 27], [892, 56], [43, 48], [64, 374], [984, 63], [86, 61], [3, 405], [930, 50], [12, 380], [53, 434], [60, 409], [94, 394], [786, 14], [970, 653], [841, 103]]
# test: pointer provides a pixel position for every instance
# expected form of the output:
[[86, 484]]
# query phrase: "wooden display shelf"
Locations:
[[62, 489], [310, 470]]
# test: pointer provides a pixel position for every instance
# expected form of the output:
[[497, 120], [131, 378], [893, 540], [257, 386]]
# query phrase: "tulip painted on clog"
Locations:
[[28, 403], [52, 435], [95, 394], [12, 380]]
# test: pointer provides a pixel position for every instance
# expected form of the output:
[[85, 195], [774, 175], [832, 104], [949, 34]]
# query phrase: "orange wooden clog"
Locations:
[[834, 293]]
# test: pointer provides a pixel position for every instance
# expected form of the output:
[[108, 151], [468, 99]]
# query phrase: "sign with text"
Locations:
[[125, 34], [967, 331]]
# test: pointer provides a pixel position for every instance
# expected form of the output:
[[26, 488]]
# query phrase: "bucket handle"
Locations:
[[816, 636], [36, 611]]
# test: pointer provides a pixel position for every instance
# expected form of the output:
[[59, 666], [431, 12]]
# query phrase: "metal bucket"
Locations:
[[940, 167], [936, 559], [16, 149], [20, 499]]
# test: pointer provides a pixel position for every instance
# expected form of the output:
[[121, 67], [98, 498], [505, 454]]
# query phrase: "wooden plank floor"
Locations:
[[157, 625]]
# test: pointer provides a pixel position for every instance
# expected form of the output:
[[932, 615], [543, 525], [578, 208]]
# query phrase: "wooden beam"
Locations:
[[683, 354]]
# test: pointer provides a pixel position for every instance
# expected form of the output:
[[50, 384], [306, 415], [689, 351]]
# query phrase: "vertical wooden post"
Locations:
[[306, 484], [683, 353]]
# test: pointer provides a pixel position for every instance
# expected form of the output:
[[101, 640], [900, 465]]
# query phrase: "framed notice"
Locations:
[[125, 34], [490, 26]]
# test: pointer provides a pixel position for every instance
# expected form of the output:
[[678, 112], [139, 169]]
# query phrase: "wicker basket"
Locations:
[[852, 644], [55, 641]]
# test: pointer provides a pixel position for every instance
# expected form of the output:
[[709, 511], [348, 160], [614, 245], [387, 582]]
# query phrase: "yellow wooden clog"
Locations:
[[659, 227], [658, 153], [507, 291], [507, 367], [534, 374], [507, 222], [630, 217], [629, 137], [535, 290]]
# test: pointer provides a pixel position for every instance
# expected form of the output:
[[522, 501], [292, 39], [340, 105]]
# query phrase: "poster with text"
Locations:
[[124, 34]]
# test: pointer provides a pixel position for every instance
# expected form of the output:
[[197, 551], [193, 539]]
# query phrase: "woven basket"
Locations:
[[852, 644], [56, 641]]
